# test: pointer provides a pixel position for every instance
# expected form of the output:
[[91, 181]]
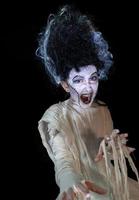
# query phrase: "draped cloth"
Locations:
[[72, 137]]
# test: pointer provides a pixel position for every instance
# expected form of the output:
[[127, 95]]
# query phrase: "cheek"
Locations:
[[73, 88], [78, 89], [74, 91], [95, 87]]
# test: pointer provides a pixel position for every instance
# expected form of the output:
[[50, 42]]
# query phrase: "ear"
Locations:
[[65, 86]]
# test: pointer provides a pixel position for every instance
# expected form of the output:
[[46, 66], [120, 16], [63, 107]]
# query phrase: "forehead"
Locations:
[[84, 71]]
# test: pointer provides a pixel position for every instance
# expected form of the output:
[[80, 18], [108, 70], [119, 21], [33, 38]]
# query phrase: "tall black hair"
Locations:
[[70, 40]]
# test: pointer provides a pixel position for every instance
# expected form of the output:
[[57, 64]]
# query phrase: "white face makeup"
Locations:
[[83, 85]]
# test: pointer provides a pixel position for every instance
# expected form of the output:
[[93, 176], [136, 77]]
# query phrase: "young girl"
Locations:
[[78, 133]]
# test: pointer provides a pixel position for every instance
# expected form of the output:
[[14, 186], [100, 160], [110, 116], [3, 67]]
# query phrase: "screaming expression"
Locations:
[[83, 85]]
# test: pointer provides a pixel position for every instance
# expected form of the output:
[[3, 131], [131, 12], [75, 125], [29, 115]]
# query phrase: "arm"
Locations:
[[68, 177], [66, 173]]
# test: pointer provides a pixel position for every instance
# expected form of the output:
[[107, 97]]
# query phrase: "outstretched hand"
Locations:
[[114, 135], [84, 189]]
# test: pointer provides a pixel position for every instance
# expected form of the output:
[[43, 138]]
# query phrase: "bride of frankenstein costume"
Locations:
[[72, 137]]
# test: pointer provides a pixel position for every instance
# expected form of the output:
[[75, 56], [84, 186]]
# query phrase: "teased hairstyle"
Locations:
[[71, 41]]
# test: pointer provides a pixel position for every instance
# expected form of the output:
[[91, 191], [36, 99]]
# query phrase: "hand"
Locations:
[[83, 188], [115, 134]]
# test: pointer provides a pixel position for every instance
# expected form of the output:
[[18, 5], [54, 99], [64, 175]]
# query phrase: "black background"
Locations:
[[29, 172]]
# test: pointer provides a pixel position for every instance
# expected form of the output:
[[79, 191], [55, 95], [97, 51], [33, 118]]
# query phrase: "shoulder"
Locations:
[[102, 106], [101, 103], [53, 112], [104, 109]]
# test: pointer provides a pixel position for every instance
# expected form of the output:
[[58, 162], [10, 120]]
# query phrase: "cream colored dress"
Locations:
[[72, 138]]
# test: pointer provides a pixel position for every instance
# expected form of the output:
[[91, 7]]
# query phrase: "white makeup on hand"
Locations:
[[83, 85]]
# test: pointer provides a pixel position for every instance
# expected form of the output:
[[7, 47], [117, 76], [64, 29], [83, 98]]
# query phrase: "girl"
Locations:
[[78, 133]]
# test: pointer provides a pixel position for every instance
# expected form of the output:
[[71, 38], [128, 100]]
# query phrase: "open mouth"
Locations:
[[86, 98]]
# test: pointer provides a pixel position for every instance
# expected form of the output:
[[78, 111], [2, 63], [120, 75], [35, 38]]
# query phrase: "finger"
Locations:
[[107, 138], [82, 188], [100, 150], [88, 196], [63, 196], [91, 186], [115, 132], [123, 135], [98, 157], [124, 141], [131, 149], [70, 194]]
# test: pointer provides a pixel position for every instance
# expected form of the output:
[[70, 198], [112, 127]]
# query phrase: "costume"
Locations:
[[72, 47], [72, 138]]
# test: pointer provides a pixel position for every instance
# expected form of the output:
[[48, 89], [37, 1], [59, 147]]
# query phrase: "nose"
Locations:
[[88, 86]]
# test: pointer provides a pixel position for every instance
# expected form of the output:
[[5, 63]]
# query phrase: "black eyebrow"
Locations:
[[94, 73], [78, 76]]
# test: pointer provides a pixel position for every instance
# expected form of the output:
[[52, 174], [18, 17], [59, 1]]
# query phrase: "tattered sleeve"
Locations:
[[53, 139]]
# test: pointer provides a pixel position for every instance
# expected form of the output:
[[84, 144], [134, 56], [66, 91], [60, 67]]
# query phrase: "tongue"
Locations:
[[85, 99]]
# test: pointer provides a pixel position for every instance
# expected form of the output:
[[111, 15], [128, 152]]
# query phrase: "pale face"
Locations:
[[83, 85]]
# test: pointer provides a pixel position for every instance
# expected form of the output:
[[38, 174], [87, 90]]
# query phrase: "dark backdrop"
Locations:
[[28, 91]]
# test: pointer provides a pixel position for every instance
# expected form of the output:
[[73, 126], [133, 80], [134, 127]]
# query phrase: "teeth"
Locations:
[[85, 94]]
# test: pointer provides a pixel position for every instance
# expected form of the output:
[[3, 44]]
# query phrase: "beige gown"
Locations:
[[72, 138]]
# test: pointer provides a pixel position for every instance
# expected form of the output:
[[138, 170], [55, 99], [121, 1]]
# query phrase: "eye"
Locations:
[[77, 81], [94, 78]]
